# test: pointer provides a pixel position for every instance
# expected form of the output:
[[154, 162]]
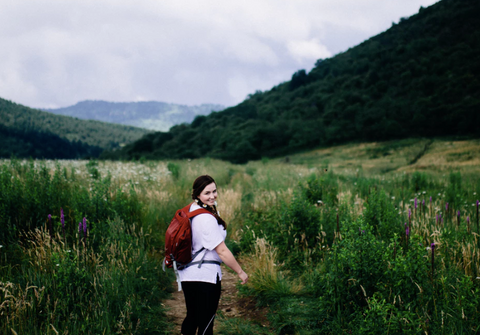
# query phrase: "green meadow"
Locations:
[[368, 238]]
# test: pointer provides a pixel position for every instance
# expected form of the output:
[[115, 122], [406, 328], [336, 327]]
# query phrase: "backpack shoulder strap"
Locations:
[[194, 213]]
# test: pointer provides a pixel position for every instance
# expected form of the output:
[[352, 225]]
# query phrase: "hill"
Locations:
[[151, 115], [418, 78], [26, 132]]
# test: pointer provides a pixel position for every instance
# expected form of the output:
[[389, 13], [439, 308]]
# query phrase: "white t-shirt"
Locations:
[[208, 234]]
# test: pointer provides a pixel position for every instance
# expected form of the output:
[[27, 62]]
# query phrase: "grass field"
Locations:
[[336, 240]]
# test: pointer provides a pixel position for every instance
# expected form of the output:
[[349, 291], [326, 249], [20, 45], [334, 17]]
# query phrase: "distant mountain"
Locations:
[[151, 115], [420, 78], [27, 132]]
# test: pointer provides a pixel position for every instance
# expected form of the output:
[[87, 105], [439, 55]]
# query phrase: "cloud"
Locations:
[[56, 53], [309, 50]]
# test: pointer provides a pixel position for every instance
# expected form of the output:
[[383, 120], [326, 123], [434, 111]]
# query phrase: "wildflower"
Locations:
[[446, 206], [433, 255], [407, 231], [62, 218], [458, 213], [409, 213], [468, 219], [424, 192], [477, 203], [1, 246], [415, 203], [80, 227], [423, 202], [58, 264], [393, 198], [49, 217], [84, 226]]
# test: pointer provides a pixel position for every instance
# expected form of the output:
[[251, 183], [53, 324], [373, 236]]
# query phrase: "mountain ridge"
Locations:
[[151, 115]]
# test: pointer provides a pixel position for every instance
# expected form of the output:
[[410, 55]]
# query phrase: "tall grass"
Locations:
[[78, 289], [327, 251], [372, 268]]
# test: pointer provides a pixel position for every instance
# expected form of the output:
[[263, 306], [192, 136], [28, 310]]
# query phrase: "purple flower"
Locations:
[[363, 231], [84, 226], [433, 256], [446, 206], [415, 203], [62, 218], [468, 219], [477, 203], [80, 227], [409, 213], [407, 231], [49, 217], [423, 202], [458, 213]]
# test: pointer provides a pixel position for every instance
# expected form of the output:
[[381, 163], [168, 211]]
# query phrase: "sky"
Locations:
[[55, 53]]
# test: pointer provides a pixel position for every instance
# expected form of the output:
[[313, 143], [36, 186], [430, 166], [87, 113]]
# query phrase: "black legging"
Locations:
[[202, 300]]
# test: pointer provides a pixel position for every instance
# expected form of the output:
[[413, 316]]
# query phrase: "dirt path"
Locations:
[[231, 305]]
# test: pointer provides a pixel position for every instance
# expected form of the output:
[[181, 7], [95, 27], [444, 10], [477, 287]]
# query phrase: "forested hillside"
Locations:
[[26, 132], [153, 115], [419, 78]]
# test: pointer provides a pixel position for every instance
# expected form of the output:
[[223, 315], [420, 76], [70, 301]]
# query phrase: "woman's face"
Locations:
[[209, 194]]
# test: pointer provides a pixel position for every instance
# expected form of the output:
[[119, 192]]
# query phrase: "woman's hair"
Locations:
[[198, 186]]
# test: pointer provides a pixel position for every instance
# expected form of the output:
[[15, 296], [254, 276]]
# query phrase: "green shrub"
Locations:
[[321, 189], [382, 215], [174, 169], [454, 193], [419, 181]]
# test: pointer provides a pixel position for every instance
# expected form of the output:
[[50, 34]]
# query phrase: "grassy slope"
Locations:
[[432, 155]]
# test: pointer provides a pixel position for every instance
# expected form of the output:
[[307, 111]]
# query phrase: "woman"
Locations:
[[202, 284]]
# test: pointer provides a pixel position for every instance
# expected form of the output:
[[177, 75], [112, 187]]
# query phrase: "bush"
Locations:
[[321, 189], [382, 215]]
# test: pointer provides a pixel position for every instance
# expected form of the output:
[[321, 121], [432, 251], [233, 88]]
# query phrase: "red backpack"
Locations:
[[178, 242], [178, 238]]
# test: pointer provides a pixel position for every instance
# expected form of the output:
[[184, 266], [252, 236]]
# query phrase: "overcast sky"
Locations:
[[54, 53]]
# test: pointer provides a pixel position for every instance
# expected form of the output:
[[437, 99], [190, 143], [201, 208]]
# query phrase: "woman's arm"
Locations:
[[227, 257]]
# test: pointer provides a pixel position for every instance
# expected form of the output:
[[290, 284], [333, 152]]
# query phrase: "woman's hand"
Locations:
[[244, 277], [227, 257]]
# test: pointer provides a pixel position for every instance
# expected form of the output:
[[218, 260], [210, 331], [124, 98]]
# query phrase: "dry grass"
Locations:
[[394, 156], [265, 274]]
